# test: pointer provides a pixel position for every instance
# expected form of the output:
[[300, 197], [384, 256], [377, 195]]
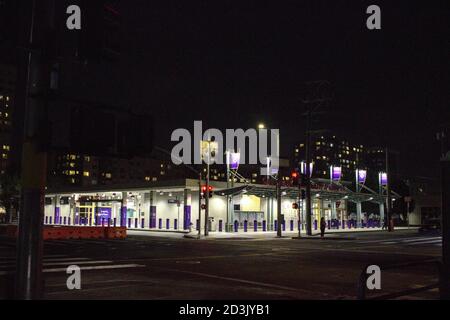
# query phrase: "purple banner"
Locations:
[[336, 173], [383, 178], [362, 175], [234, 160]]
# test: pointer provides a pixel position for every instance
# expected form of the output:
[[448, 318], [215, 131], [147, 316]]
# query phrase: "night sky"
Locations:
[[233, 64]]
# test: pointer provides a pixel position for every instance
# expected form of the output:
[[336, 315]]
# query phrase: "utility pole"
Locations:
[[207, 191], [445, 218], [199, 204], [388, 191], [29, 281], [279, 216], [308, 174]]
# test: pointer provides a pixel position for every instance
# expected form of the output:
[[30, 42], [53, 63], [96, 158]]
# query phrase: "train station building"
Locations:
[[175, 206]]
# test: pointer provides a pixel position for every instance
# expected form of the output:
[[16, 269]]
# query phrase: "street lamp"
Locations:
[[261, 126]]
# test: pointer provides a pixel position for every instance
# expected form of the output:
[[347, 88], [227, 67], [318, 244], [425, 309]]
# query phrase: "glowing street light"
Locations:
[[261, 126]]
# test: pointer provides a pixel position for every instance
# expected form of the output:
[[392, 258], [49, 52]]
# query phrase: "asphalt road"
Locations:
[[158, 266]]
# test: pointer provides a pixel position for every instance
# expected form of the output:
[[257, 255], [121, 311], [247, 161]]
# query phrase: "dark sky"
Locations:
[[233, 64]]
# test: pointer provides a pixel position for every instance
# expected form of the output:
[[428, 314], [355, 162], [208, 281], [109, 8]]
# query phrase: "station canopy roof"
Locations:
[[319, 189]]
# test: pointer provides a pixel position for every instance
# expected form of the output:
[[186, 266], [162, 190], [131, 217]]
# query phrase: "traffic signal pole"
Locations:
[[388, 192], [207, 191], [279, 216], [308, 175], [28, 277]]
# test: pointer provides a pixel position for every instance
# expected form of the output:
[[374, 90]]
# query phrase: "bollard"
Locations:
[[283, 224], [167, 223], [255, 225], [46, 220], [220, 225], [50, 219], [115, 222], [135, 223], [299, 226], [329, 224], [264, 226], [143, 223], [129, 222], [90, 220], [245, 225], [175, 224], [315, 224], [236, 226], [68, 221], [291, 226], [109, 222], [160, 223], [275, 225], [64, 220], [197, 225]]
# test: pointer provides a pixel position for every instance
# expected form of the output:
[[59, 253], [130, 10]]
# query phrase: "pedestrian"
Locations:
[[322, 227]]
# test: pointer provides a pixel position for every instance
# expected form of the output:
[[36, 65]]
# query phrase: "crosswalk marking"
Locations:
[[406, 241], [51, 264]]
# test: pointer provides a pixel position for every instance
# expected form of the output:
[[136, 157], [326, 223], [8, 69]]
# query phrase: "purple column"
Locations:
[[264, 226], [187, 217], [255, 225], [57, 213], [175, 224], [236, 226], [142, 223], [123, 216], [152, 217]]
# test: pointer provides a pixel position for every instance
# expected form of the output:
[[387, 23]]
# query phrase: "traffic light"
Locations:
[[210, 191], [202, 194], [295, 178]]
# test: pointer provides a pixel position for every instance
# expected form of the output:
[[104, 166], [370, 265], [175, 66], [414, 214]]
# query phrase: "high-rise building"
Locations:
[[329, 151], [7, 89]]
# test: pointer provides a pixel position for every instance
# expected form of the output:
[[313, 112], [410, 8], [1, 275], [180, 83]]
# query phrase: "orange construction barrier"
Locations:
[[71, 232]]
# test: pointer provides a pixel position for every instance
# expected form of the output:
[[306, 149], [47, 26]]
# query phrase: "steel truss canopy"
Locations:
[[320, 190]]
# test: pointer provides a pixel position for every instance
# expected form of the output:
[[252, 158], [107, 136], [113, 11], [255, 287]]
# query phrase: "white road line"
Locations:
[[76, 262], [395, 240], [421, 239], [13, 259], [427, 242], [107, 267]]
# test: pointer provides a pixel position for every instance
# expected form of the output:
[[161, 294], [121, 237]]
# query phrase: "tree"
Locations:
[[9, 193]]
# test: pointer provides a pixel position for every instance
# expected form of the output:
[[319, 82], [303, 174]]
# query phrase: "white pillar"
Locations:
[[358, 214]]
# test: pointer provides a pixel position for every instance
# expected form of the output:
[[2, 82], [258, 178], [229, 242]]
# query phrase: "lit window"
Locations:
[[86, 173]]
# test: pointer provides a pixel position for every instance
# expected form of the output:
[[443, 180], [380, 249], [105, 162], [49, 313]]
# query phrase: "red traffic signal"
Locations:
[[210, 191], [295, 178]]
